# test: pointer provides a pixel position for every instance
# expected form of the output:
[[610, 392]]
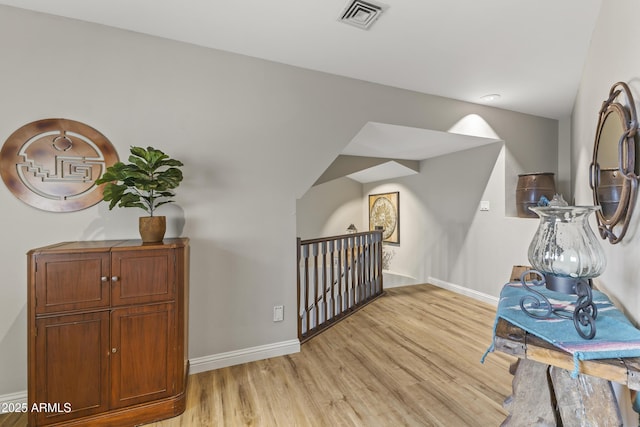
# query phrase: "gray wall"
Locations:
[[328, 209], [253, 135], [445, 238], [608, 62], [612, 57]]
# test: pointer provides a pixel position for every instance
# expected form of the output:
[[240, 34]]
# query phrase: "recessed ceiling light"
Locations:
[[491, 97]]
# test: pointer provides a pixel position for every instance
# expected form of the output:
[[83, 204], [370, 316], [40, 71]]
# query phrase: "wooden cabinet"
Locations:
[[107, 341]]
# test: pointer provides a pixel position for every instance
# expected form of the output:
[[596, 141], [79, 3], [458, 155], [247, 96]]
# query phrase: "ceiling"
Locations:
[[529, 52], [383, 140], [409, 143]]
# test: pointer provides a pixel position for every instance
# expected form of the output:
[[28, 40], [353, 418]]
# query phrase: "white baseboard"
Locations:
[[205, 363], [391, 279], [13, 398], [237, 357], [489, 299]]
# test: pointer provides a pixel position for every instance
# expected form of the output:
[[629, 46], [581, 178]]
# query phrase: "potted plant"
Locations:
[[146, 183]]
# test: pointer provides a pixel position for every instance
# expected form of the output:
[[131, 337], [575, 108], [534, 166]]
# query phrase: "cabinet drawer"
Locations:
[[142, 276], [71, 282]]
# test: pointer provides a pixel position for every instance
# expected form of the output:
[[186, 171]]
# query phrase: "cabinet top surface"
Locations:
[[110, 245]]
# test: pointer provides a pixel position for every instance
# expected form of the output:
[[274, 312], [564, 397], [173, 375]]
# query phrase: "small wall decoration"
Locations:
[[52, 164], [384, 211]]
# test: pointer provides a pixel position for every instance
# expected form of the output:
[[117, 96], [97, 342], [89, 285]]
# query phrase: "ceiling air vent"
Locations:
[[362, 14]]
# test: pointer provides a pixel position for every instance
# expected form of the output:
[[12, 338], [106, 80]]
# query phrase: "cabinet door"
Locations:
[[143, 355], [71, 366], [66, 282], [142, 276]]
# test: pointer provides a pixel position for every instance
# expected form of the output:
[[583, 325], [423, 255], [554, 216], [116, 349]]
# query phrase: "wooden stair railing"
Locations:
[[336, 276]]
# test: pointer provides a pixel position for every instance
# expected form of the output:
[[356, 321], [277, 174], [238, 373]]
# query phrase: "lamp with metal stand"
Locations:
[[566, 255]]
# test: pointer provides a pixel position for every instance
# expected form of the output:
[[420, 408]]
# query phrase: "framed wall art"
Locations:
[[52, 164], [384, 211]]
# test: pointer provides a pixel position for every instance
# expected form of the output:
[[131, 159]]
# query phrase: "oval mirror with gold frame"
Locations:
[[612, 173]]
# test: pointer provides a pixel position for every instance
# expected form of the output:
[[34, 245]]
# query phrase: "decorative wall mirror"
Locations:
[[612, 174]]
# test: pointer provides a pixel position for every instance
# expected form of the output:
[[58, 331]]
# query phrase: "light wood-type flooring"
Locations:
[[410, 358]]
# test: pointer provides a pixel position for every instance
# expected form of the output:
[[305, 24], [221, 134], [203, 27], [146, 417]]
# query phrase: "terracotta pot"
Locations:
[[152, 228]]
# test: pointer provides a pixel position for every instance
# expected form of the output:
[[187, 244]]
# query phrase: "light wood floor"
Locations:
[[411, 358]]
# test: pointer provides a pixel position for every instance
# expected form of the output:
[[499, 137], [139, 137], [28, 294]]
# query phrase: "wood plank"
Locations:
[[13, 419], [411, 357], [517, 271], [531, 403], [609, 369], [584, 401], [515, 341]]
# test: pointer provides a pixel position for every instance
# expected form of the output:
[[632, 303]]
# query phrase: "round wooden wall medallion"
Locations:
[[52, 164]]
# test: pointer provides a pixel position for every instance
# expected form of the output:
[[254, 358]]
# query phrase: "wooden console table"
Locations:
[[544, 394]]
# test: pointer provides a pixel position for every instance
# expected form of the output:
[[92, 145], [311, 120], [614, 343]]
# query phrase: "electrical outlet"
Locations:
[[278, 313]]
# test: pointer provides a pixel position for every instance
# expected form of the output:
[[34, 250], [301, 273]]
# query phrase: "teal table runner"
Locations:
[[615, 336]]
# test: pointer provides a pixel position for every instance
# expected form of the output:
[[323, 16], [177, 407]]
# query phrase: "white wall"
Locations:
[[328, 209], [564, 184], [612, 57], [254, 135], [445, 238]]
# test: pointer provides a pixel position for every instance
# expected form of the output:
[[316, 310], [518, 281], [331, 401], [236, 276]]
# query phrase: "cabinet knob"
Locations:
[[114, 350], [104, 278], [114, 278]]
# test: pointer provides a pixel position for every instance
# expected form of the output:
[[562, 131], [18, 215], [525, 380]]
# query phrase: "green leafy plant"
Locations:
[[145, 183]]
